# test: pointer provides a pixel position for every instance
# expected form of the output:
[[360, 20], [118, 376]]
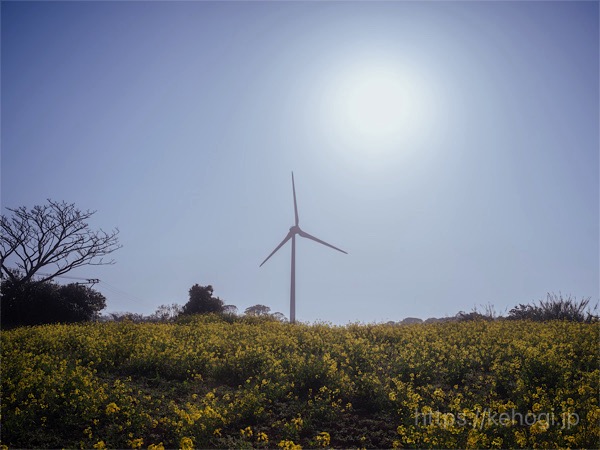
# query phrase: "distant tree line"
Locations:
[[47, 241], [55, 238], [555, 307], [201, 301], [35, 303], [44, 302]]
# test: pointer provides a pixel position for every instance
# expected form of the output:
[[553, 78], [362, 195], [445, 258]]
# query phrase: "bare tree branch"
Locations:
[[55, 237]]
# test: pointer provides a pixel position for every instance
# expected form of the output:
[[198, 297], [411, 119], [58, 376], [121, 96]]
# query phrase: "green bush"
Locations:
[[555, 307], [36, 303]]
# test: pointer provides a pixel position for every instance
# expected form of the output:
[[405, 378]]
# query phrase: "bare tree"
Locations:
[[279, 316], [230, 309], [54, 237], [166, 313]]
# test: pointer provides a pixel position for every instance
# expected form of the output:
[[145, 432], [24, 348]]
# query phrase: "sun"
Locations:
[[377, 107], [373, 103]]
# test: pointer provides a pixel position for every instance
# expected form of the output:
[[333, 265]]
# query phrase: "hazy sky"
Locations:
[[451, 148]]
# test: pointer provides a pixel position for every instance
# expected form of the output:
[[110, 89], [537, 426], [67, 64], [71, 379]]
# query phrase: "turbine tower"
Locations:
[[295, 230]]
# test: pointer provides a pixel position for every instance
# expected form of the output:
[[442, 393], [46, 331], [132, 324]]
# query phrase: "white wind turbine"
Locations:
[[294, 230]]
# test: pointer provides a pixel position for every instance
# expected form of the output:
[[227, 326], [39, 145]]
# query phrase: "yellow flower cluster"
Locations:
[[288, 445], [205, 383], [186, 443], [323, 439]]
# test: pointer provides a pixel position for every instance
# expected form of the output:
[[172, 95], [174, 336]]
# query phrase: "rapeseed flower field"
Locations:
[[209, 383]]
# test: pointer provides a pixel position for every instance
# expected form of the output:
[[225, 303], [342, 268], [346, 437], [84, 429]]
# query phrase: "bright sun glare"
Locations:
[[377, 108], [374, 103]]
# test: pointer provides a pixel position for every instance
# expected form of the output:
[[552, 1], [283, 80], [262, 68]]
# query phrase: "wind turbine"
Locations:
[[295, 230]]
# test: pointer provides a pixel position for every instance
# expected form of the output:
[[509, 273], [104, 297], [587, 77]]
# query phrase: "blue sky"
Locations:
[[451, 148]]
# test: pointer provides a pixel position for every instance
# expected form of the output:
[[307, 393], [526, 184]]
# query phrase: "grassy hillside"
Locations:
[[208, 383]]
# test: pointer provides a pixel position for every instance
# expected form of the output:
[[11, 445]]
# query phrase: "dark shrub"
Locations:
[[555, 307]]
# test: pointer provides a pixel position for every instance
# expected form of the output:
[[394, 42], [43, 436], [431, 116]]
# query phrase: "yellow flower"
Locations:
[[497, 443], [323, 439], [99, 445], [186, 443], [158, 446], [520, 438], [539, 427], [246, 432], [112, 408], [262, 437], [289, 445], [439, 394], [298, 422], [136, 443]]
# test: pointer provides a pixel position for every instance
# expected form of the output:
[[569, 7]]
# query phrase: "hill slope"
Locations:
[[212, 384]]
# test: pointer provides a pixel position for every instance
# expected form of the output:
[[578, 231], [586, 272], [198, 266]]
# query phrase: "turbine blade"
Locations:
[[287, 238], [308, 236], [295, 204]]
